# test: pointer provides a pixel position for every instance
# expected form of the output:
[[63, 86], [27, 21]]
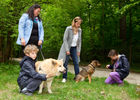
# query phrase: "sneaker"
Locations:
[[64, 80], [26, 92]]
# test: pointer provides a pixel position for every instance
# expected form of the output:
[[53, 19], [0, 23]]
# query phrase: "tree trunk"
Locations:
[[7, 52], [89, 17], [102, 30], [130, 37], [1, 48], [123, 28], [122, 22]]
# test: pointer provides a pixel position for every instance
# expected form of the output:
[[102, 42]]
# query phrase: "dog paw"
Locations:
[[50, 92], [40, 92], [76, 81]]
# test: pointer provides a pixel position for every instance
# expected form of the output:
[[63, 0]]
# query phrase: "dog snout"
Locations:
[[63, 71]]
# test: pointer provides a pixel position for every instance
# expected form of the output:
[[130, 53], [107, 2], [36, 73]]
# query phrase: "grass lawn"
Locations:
[[97, 90]]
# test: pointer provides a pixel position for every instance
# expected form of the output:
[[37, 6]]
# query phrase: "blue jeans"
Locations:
[[73, 54]]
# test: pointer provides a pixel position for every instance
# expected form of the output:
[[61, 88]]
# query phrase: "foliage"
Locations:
[[100, 27], [126, 8]]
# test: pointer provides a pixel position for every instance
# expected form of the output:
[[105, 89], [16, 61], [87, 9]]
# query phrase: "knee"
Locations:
[[106, 82], [111, 74], [76, 61]]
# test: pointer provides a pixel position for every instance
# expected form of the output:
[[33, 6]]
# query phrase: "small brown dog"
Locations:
[[87, 71]]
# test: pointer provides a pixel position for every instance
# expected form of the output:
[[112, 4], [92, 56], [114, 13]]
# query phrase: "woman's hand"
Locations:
[[39, 42], [68, 53], [107, 66], [78, 53], [23, 42], [50, 75]]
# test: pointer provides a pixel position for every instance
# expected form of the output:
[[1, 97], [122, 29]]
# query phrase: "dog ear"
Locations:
[[37, 63], [54, 62], [97, 63], [61, 59], [94, 62]]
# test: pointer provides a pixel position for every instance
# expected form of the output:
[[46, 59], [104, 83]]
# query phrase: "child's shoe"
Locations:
[[26, 92]]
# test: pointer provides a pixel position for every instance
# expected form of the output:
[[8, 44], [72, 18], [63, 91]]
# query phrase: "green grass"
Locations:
[[68, 91]]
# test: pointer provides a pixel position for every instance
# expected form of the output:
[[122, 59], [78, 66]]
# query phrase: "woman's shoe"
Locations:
[[64, 80]]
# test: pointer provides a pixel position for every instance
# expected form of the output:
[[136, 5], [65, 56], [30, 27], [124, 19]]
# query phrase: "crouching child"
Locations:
[[120, 68], [29, 80]]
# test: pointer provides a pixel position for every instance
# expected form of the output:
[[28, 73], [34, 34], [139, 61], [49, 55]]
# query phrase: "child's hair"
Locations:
[[112, 53], [29, 48]]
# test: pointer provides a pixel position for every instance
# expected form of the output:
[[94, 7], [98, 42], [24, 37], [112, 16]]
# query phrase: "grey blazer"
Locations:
[[67, 40]]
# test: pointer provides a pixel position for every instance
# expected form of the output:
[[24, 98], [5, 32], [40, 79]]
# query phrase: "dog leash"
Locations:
[[41, 53]]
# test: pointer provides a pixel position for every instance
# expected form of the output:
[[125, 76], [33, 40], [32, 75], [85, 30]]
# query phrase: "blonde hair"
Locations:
[[29, 48], [76, 19]]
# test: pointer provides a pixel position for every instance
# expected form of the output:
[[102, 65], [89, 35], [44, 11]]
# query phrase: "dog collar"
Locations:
[[92, 66]]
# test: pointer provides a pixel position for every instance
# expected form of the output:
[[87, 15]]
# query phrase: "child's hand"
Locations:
[[107, 66], [50, 75], [114, 70]]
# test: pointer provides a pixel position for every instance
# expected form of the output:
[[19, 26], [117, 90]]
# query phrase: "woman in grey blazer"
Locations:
[[71, 46]]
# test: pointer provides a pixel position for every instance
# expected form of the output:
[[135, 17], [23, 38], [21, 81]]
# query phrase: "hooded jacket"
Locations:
[[123, 67], [28, 72]]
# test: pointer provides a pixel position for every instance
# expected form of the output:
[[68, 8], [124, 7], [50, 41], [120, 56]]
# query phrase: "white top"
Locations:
[[74, 41]]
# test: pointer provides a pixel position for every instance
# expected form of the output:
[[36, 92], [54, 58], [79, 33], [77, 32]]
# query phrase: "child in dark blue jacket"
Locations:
[[120, 68], [29, 80]]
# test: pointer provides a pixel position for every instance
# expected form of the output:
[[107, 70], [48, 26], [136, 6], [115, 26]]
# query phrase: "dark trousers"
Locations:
[[31, 85], [73, 54]]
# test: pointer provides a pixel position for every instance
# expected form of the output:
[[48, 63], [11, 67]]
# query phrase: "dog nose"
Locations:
[[64, 69]]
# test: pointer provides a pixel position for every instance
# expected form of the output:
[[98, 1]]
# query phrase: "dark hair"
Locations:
[[112, 53], [31, 11]]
